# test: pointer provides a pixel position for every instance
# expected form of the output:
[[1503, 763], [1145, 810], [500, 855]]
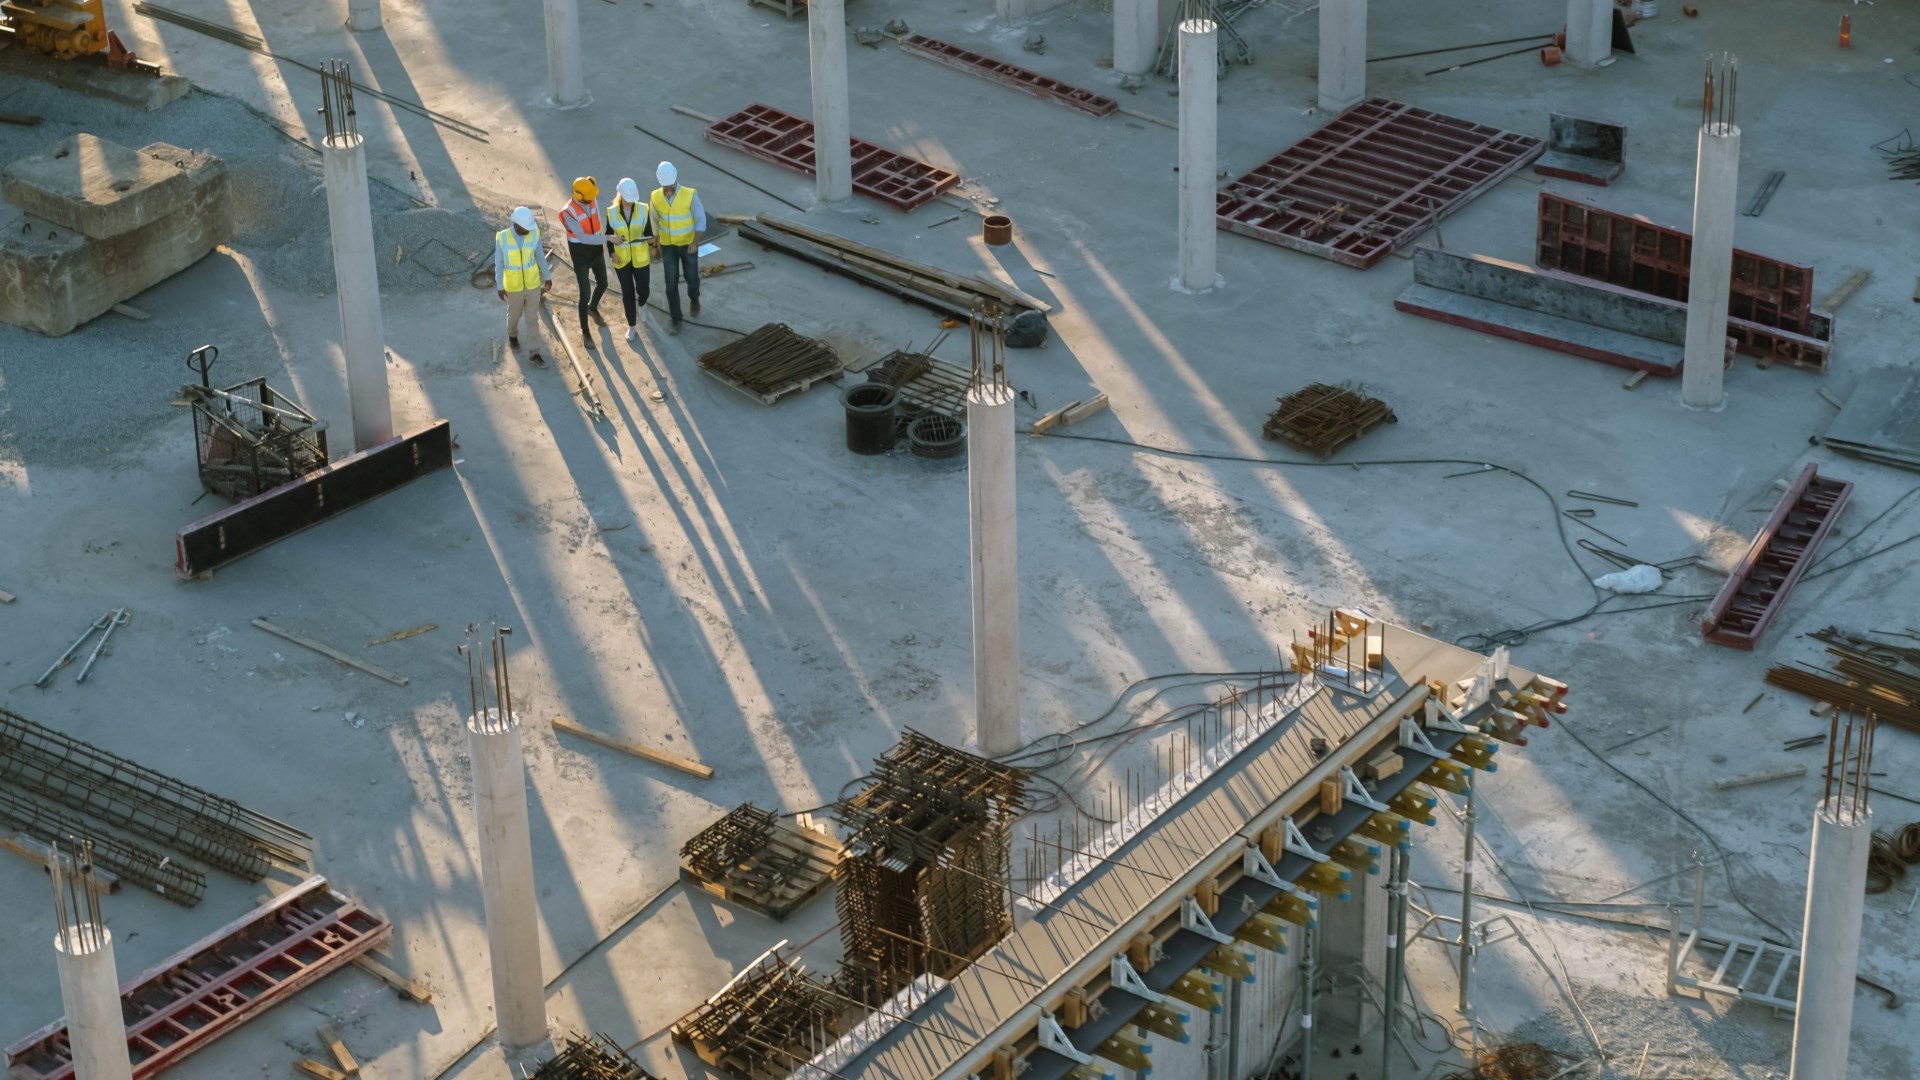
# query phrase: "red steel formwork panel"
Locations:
[[1372, 180], [1769, 305], [221, 982], [1779, 555], [786, 139], [1031, 82]]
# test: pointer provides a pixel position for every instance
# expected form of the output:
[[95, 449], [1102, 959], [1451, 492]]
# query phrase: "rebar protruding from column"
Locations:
[[76, 897], [490, 686], [1716, 101], [336, 98], [1848, 779], [1842, 843], [989, 358]]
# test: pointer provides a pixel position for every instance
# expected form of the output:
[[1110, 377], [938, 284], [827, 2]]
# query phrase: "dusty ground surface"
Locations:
[[725, 580]]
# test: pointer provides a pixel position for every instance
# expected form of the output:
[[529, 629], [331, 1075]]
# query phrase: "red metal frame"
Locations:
[[1031, 82], [1396, 170], [208, 989], [1779, 555], [786, 139], [1769, 305]]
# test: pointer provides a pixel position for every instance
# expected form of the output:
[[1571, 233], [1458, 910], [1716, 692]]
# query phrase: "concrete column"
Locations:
[[566, 73], [1353, 941], [1715, 186], [827, 50], [1830, 939], [1199, 151], [90, 990], [356, 276], [1343, 54], [1589, 32], [506, 879], [996, 571], [363, 14], [1136, 35]]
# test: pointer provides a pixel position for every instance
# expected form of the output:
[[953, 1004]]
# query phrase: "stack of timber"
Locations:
[[771, 362], [760, 860], [943, 291]]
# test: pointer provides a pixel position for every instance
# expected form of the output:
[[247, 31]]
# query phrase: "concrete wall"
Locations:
[[1549, 293], [53, 279]]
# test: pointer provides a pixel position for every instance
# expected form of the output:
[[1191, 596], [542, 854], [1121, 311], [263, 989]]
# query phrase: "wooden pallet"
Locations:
[[778, 392], [747, 884]]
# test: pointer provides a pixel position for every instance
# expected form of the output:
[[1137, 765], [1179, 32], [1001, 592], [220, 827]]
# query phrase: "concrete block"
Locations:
[[94, 79], [53, 279], [97, 187], [1551, 293]]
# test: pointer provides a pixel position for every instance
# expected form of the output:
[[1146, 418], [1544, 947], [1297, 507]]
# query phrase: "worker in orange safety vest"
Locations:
[[587, 249]]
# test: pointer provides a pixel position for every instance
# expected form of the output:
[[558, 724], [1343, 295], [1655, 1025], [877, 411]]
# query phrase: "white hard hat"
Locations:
[[629, 190], [666, 174], [524, 218]]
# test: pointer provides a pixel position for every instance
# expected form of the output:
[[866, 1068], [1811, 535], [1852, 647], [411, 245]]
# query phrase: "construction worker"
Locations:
[[629, 228], [678, 221], [521, 276], [587, 248]]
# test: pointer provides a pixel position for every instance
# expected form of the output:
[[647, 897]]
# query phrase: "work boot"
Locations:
[[631, 332], [537, 360], [513, 341], [694, 306], [588, 341], [675, 328], [598, 318]]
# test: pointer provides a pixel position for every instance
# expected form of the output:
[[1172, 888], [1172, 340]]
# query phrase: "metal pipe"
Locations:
[[1466, 897]]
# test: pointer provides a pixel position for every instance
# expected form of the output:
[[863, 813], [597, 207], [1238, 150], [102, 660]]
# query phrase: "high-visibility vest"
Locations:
[[588, 218], [631, 248], [519, 260], [673, 219]]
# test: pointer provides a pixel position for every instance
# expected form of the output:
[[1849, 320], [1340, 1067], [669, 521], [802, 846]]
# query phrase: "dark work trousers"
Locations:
[[588, 259], [676, 260], [635, 284]]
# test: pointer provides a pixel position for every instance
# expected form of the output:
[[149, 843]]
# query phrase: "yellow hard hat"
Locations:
[[586, 189]]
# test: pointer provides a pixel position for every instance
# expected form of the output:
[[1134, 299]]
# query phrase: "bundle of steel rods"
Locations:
[[124, 793], [1319, 417], [1858, 683], [598, 1058], [770, 358], [1905, 164], [142, 866]]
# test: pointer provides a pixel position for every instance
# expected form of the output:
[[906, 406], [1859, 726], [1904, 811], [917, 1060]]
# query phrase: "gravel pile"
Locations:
[[1688, 1039], [104, 388]]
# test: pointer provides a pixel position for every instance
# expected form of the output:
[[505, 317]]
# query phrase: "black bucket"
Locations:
[[869, 417]]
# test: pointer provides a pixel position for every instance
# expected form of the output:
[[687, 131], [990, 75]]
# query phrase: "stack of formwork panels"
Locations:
[[102, 223]]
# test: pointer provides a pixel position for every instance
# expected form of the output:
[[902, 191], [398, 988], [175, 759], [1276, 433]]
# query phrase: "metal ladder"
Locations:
[[1743, 968]]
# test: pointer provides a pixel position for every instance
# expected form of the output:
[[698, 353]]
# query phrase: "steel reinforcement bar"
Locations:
[[124, 793], [143, 866]]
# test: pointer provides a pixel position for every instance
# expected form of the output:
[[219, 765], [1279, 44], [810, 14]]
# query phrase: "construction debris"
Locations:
[[1780, 553], [598, 1058], [1858, 682], [1319, 417], [1761, 776], [645, 753], [1515, 1061], [105, 624], [1071, 413], [1584, 150], [761, 860], [765, 1020], [402, 635], [330, 652], [771, 363]]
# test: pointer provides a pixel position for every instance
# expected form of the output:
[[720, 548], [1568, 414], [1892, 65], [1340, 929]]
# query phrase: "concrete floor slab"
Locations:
[[725, 581]]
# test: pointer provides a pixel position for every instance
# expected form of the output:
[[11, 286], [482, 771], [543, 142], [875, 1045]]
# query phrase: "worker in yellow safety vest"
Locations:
[[587, 249], [628, 228], [521, 276], [678, 221]]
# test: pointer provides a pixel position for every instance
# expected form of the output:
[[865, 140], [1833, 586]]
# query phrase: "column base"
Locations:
[[1175, 284]]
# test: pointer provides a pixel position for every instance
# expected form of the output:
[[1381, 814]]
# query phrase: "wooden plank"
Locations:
[[7, 597], [131, 312], [330, 652], [1846, 290], [999, 290], [1634, 380], [1081, 412], [315, 1069], [340, 1052], [1053, 419], [31, 848], [411, 988], [402, 635], [658, 757]]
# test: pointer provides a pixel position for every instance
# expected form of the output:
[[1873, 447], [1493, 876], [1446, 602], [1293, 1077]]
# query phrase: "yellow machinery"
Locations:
[[63, 29]]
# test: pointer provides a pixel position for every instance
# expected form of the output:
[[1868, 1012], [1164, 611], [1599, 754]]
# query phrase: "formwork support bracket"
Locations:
[[1297, 841], [1053, 1038], [1353, 791], [1124, 976], [1195, 921]]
